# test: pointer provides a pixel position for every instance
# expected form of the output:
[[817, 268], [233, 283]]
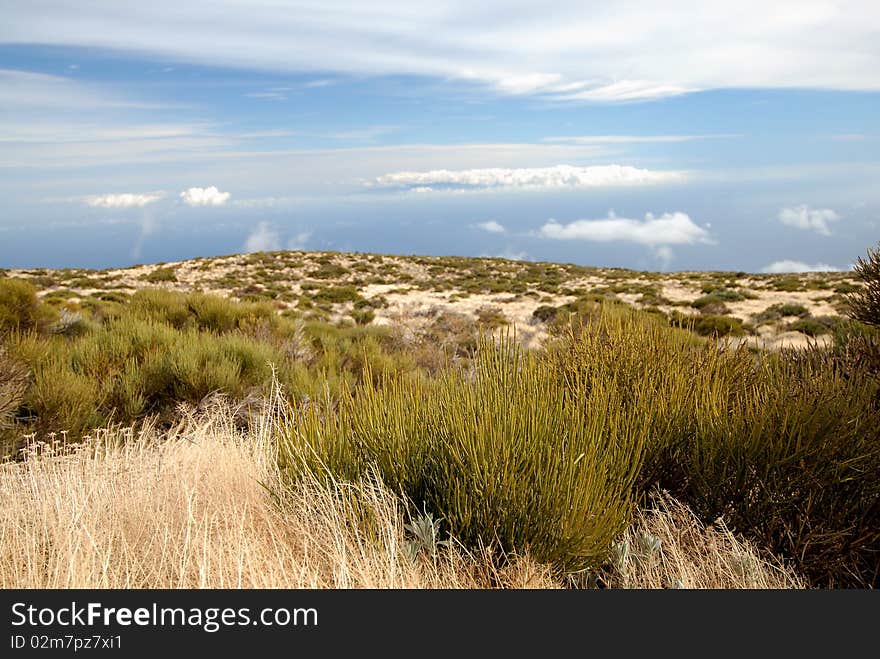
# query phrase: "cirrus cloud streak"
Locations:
[[123, 199]]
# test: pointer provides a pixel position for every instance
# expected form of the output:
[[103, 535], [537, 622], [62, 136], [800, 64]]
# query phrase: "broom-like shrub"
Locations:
[[506, 455]]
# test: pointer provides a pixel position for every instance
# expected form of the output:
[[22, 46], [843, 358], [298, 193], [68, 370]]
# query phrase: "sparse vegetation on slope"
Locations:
[[632, 383]]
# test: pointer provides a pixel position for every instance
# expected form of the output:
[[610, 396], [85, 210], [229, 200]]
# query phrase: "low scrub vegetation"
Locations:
[[779, 447], [634, 448]]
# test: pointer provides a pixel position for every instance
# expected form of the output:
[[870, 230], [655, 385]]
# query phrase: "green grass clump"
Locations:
[[510, 456]]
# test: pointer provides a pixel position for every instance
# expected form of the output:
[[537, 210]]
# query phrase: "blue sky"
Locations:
[[741, 138]]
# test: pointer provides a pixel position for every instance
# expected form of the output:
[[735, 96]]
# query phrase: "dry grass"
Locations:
[[202, 506], [192, 509], [667, 547]]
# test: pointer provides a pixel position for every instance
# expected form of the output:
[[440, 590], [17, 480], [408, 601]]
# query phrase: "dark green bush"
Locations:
[[714, 303], [708, 324], [337, 294], [160, 275], [722, 294], [544, 313], [814, 326]]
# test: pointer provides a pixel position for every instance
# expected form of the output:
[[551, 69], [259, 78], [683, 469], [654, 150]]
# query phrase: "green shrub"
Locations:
[[510, 457], [721, 294], [711, 305], [709, 324], [160, 275], [791, 309], [337, 294], [713, 301], [329, 271], [20, 310], [784, 447], [787, 284], [846, 288], [211, 313], [814, 326]]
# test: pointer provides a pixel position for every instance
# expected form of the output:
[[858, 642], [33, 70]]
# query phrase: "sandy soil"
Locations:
[[411, 299]]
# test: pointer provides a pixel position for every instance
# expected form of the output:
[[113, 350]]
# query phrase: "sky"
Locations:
[[712, 135]]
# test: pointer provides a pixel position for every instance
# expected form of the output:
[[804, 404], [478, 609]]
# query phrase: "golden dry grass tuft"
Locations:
[[201, 507]]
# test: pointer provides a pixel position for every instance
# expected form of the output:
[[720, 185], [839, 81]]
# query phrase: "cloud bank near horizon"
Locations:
[[789, 266], [123, 200], [526, 178], [669, 229]]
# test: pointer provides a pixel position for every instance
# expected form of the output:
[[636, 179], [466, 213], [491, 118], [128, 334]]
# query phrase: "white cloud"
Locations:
[[804, 217], [559, 176], [580, 50], [786, 266], [668, 229], [123, 199], [491, 226], [298, 242], [204, 196], [262, 239]]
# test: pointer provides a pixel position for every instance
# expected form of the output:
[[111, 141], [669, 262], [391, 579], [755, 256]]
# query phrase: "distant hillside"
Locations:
[[770, 311]]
